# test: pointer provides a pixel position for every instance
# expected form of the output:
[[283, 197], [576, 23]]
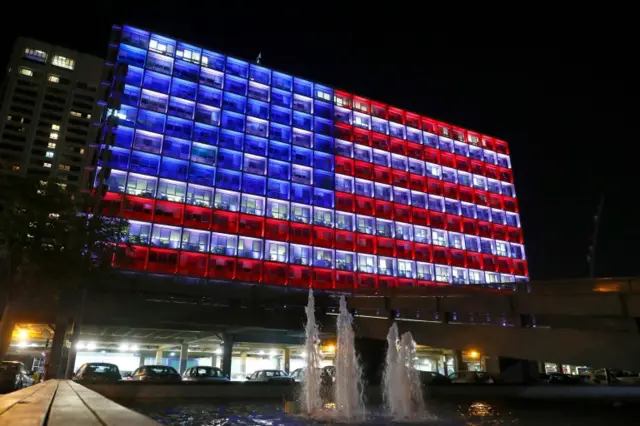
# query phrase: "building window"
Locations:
[[300, 255], [55, 127], [47, 165], [276, 251], [224, 244], [77, 114], [344, 260], [323, 95], [15, 168], [54, 78], [250, 247], [187, 55], [36, 55], [53, 135], [26, 71], [51, 145], [64, 167], [49, 154], [62, 62]]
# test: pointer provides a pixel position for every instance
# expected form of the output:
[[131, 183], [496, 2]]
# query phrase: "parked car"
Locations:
[[327, 374], [566, 379], [204, 374], [615, 376], [477, 377], [14, 376], [433, 378], [270, 376], [156, 373], [97, 372], [298, 375]]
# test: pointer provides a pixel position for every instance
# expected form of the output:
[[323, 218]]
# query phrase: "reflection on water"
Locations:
[[477, 413]]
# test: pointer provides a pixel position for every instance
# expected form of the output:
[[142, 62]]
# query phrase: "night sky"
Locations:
[[557, 99]]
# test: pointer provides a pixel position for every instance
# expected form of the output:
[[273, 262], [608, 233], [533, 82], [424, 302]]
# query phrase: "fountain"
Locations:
[[348, 387], [402, 388], [310, 397]]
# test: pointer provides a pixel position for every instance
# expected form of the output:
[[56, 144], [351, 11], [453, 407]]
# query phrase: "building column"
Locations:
[[214, 360], [243, 363], [57, 345], [559, 368], [184, 355], [459, 364], [287, 360], [73, 350], [492, 364], [141, 363], [159, 356], [6, 330], [227, 353]]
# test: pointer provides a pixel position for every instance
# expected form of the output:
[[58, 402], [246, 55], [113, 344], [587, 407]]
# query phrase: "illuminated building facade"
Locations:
[[230, 170]]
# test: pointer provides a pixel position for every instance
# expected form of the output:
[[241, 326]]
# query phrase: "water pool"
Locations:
[[475, 413]]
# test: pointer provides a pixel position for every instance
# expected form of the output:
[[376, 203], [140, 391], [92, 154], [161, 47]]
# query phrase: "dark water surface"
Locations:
[[476, 413]]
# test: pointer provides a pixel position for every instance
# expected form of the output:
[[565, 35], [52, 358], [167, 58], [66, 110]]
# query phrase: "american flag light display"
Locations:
[[229, 170]]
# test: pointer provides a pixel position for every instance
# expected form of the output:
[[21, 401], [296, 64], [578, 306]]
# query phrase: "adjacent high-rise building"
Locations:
[[48, 104], [229, 170]]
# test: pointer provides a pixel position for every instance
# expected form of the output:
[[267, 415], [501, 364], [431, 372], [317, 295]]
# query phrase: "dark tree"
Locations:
[[48, 244]]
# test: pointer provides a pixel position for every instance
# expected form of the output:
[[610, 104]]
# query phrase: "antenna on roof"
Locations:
[[259, 58]]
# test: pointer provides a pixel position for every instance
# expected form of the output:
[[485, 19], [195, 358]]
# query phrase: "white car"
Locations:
[[204, 374], [270, 376]]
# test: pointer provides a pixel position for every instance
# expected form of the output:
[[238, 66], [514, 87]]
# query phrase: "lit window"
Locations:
[[54, 78], [64, 167], [161, 47], [62, 62], [75, 114], [36, 55], [88, 116], [47, 165], [188, 55], [205, 61], [55, 127], [53, 135], [15, 168], [26, 71], [51, 145], [49, 154], [81, 150], [323, 95]]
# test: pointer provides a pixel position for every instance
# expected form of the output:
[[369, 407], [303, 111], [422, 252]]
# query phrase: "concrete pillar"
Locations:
[[158, 356], [72, 352], [492, 365], [184, 355], [227, 352], [6, 330], [243, 363], [141, 363], [287, 360], [214, 360], [559, 368], [57, 345], [541, 367], [458, 363]]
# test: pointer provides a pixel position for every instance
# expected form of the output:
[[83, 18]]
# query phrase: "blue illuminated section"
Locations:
[[218, 161]]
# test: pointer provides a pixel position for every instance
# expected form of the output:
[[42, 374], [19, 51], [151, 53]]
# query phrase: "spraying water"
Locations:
[[348, 385], [402, 389], [311, 385]]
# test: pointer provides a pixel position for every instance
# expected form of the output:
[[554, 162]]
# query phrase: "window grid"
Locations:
[[304, 175]]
